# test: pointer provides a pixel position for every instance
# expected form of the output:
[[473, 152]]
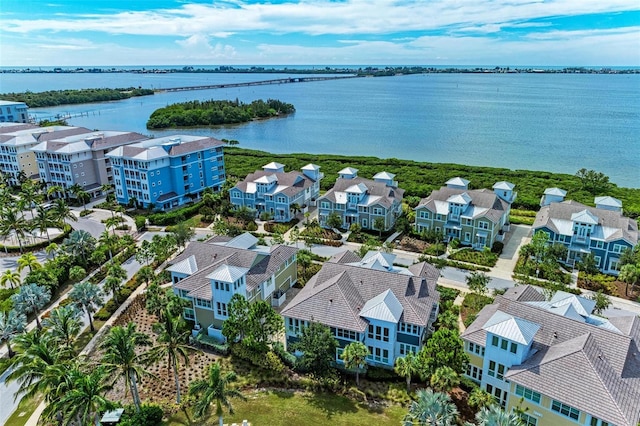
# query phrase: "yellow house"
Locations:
[[556, 362]]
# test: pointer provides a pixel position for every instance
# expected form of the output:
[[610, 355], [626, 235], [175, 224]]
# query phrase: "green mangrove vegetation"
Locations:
[[78, 96], [213, 112], [418, 179]]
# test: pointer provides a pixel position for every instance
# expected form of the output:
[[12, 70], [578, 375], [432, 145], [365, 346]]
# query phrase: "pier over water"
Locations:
[[256, 83]]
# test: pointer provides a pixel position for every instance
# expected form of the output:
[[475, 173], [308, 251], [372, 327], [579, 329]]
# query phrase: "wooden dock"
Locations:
[[256, 83]]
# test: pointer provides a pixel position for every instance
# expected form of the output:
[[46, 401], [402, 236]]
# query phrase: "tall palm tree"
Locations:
[[171, 344], [84, 400], [105, 188], [444, 379], [480, 398], [62, 212], [83, 197], [11, 323], [214, 389], [28, 260], [113, 222], [431, 408], [54, 189], [64, 325], [87, 297], [494, 415], [14, 223], [52, 250], [113, 284], [109, 241], [407, 366], [120, 356], [629, 274], [10, 276], [355, 358], [31, 298], [80, 244], [43, 220]]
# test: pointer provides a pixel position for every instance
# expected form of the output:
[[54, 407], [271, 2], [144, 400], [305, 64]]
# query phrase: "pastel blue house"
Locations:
[[390, 309], [274, 191], [167, 172], [15, 112], [601, 230]]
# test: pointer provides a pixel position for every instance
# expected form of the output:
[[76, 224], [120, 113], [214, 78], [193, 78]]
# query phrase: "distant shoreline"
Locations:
[[374, 71]]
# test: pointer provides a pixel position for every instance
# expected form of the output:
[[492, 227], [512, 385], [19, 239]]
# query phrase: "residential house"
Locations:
[[389, 309], [601, 230], [554, 361], [167, 172], [16, 112], [210, 273], [17, 158], [274, 191], [76, 156], [362, 201], [475, 217]]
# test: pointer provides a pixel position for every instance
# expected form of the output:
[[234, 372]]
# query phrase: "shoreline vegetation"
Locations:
[[215, 112], [366, 70], [418, 179], [74, 96]]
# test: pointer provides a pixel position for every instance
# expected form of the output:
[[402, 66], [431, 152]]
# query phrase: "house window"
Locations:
[[339, 355], [364, 222], [504, 344], [528, 420], [294, 325], [344, 334], [403, 327], [498, 372], [494, 340], [438, 216], [483, 225], [378, 211], [467, 236], [281, 199], [514, 348], [203, 303], [405, 349], [474, 372], [528, 394], [424, 214], [189, 314], [597, 422], [221, 309], [378, 333], [476, 349], [378, 355], [565, 410], [325, 205], [617, 248]]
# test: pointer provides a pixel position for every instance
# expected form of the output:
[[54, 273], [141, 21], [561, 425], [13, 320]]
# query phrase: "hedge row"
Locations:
[[176, 216]]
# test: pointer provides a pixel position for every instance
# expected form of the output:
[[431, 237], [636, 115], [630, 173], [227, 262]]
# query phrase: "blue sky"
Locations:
[[320, 32]]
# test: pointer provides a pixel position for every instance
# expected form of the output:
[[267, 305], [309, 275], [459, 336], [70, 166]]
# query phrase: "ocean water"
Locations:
[[554, 122]]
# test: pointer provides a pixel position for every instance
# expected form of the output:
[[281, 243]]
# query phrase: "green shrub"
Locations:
[[176, 216], [273, 363], [141, 223], [497, 247], [149, 415], [483, 258], [84, 213], [287, 358], [251, 226], [381, 374], [447, 293]]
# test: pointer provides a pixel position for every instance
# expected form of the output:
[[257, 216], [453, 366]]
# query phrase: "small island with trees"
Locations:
[[214, 112], [75, 96]]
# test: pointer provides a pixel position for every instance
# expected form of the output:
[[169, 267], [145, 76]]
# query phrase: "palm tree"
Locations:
[[83, 197], [62, 212], [11, 277], [494, 415], [120, 356], [304, 260], [11, 323], [431, 408], [630, 275], [63, 325], [31, 298], [88, 297], [14, 223], [170, 344], [84, 401], [444, 379], [54, 189], [79, 243], [43, 220], [115, 276], [28, 260], [480, 398], [113, 222], [106, 188], [75, 189], [51, 250], [355, 358], [214, 390], [109, 241], [407, 366]]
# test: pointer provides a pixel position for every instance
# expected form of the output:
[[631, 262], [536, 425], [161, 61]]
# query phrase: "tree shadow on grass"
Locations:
[[331, 404]]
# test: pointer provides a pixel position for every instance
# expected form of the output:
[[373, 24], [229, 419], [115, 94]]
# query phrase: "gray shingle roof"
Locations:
[[490, 205], [557, 217], [336, 295], [575, 361], [289, 183]]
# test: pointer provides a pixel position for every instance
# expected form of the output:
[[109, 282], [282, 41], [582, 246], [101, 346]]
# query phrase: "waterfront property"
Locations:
[[14, 112], [602, 230], [362, 201], [274, 191], [389, 309], [209, 273], [76, 156], [556, 362], [477, 217], [167, 172]]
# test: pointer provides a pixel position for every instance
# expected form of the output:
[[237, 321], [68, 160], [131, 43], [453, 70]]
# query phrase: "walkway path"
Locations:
[[516, 238]]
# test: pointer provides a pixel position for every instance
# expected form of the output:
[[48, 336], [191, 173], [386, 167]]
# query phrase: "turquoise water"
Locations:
[[555, 122]]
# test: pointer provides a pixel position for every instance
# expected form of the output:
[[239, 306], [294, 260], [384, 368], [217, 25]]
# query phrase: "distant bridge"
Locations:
[[256, 83]]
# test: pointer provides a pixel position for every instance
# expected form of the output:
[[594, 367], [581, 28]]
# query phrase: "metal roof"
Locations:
[[512, 328], [384, 307], [227, 273]]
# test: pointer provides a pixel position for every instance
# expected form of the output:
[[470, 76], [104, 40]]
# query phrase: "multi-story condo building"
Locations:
[[210, 273], [16, 112], [556, 362], [362, 201], [167, 172], [477, 217], [601, 230], [16, 148], [79, 158], [274, 191], [389, 309]]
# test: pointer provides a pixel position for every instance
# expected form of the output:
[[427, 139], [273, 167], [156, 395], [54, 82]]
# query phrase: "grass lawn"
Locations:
[[26, 408], [286, 408]]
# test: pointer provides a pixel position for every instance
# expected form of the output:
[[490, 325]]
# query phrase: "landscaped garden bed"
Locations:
[[483, 258]]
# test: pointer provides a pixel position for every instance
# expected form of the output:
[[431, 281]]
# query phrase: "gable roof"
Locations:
[[377, 192], [512, 328], [480, 203], [555, 191], [458, 181], [289, 183], [383, 307], [504, 185]]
